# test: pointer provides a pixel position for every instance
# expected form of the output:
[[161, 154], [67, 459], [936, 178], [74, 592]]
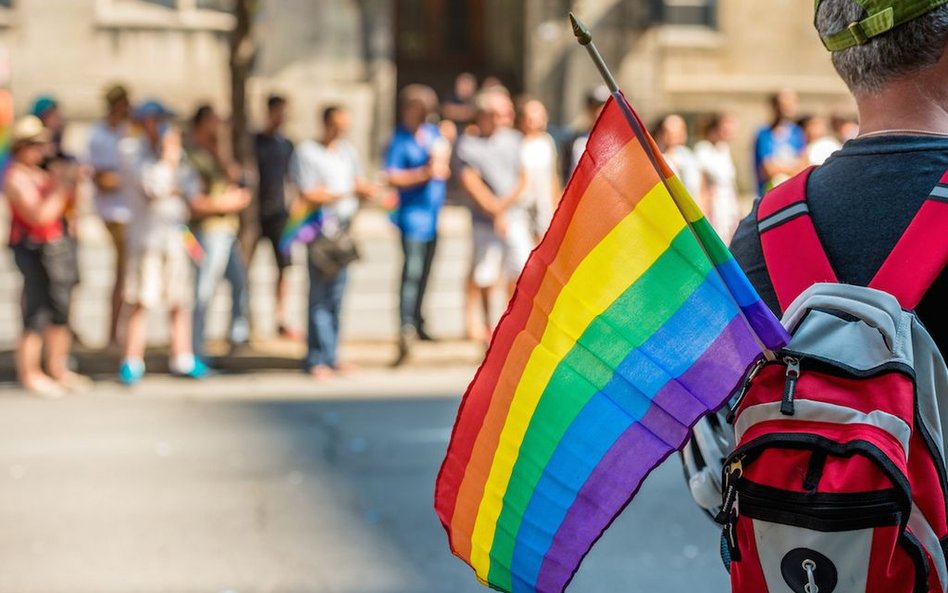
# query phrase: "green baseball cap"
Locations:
[[884, 15]]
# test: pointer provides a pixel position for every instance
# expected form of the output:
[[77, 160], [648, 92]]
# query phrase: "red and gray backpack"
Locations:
[[837, 481]]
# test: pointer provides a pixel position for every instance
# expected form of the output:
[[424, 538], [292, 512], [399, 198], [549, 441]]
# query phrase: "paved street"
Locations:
[[265, 483]]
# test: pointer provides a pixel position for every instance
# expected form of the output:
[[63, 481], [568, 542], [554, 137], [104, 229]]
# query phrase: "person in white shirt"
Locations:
[[158, 268], [671, 136], [111, 195], [713, 153], [329, 175], [540, 162], [820, 144]]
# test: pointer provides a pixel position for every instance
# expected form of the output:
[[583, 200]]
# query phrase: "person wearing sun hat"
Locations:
[[893, 56], [38, 200]]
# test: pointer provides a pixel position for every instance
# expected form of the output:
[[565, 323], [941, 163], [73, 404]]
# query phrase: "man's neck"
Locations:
[[915, 103], [329, 140], [114, 121]]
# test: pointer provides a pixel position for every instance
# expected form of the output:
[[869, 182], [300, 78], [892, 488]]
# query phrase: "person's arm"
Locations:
[[233, 200], [408, 178], [32, 207], [366, 189], [475, 187], [517, 193], [770, 165]]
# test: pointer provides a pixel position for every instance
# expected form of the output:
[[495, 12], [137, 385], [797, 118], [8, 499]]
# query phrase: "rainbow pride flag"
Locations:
[[302, 226], [6, 130], [630, 322]]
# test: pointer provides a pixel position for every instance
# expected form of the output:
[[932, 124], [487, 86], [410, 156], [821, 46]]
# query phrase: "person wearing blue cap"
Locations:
[[111, 192], [158, 272]]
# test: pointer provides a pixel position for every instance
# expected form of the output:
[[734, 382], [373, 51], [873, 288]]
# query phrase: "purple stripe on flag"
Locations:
[[771, 333], [676, 407]]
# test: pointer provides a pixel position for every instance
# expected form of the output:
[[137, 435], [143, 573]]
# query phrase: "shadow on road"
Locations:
[[115, 494]]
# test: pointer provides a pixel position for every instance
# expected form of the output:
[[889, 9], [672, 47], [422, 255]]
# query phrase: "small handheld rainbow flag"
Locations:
[[630, 322], [191, 245], [6, 130], [302, 226]]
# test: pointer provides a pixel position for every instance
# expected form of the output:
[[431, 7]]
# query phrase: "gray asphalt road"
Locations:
[[173, 493]]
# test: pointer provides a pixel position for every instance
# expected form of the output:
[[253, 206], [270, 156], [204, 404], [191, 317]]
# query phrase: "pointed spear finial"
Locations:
[[585, 38], [580, 30]]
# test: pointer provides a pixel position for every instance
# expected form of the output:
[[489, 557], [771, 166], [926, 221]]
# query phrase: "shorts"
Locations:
[[271, 227], [154, 278], [48, 281], [499, 258]]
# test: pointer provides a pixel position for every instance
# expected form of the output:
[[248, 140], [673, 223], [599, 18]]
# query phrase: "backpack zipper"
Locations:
[[790, 385], [822, 512]]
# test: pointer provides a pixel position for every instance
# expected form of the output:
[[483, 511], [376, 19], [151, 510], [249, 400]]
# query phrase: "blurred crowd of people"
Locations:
[[172, 198]]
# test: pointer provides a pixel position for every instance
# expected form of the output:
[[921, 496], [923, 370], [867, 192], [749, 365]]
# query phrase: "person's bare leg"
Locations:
[[58, 340], [180, 324], [472, 303], [118, 292], [28, 370], [484, 297], [135, 333]]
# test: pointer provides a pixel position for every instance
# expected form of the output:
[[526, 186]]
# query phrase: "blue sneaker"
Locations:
[[131, 372], [198, 371]]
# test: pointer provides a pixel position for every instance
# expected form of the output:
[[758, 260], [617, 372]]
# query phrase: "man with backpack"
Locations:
[[837, 478]]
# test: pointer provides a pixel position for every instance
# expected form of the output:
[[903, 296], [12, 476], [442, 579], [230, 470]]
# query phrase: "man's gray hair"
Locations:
[[903, 51]]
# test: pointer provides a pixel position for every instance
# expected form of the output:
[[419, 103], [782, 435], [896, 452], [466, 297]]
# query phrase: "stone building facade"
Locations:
[[693, 56]]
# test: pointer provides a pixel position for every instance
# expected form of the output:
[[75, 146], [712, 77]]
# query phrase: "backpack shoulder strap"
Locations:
[[921, 254], [793, 252]]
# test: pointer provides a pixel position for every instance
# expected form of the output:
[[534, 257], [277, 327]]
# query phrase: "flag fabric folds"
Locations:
[[628, 324], [302, 225]]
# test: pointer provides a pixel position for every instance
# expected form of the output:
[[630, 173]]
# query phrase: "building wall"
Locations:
[[315, 52], [757, 49], [74, 48]]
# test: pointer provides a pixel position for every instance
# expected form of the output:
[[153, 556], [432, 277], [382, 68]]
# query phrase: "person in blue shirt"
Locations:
[[418, 165], [779, 150]]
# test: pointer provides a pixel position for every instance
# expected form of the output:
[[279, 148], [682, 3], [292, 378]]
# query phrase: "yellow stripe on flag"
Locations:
[[616, 263], [684, 200]]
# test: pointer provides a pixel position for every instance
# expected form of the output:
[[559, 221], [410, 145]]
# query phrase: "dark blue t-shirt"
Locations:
[[417, 214], [862, 200]]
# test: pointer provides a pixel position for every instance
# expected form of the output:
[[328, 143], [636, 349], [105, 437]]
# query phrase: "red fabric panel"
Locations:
[[893, 393], [747, 575], [788, 193], [839, 433], [792, 251], [890, 566], [926, 487], [918, 258], [786, 469]]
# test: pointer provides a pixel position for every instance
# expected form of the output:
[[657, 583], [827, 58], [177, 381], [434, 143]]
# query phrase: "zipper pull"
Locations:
[[790, 386], [745, 386], [732, 473], [728, 517]]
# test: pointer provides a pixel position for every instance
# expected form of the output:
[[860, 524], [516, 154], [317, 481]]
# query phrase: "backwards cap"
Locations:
[[884, 15]]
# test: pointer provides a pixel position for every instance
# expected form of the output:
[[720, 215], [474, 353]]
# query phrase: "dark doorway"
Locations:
[[435, 40]]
